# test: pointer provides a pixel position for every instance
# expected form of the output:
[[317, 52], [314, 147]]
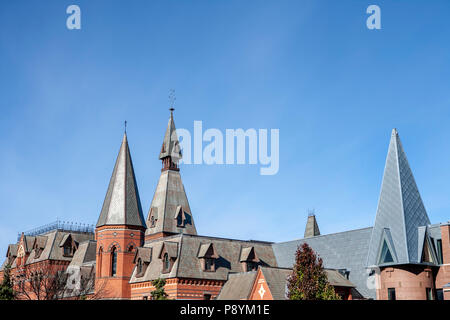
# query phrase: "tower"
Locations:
[[312, 229], [400, 245], [169, 211], [120, 229]]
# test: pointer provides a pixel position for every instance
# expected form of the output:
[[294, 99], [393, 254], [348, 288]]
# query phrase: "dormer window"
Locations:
[[251, 266], [142, 259], [182, 217], [69, 245], [249, 259], [208, 255], [168, 254]]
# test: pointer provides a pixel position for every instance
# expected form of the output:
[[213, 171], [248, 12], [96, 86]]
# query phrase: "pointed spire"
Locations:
[[170, 212], [122, 205], [400, 209], [170, 151], [312, 228]]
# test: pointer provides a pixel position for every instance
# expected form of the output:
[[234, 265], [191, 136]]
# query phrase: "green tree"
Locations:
[[308, 280], [159, 293], [6, 287]]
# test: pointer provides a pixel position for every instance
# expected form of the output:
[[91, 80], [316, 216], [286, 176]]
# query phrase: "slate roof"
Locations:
[[85, 254], [52, 250], [335, 278], [122, 205], [276, 280], [170, 146], [400, 209], [238, 286], [343, 250], [170, 195], [188, 265]]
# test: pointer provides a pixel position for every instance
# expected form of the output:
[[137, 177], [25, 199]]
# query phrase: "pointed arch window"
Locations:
[[100, 258], [113, 262], [386, 256], [139, 266], [166, 262]]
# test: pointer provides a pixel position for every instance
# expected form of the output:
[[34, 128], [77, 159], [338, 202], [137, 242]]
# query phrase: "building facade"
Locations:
[[403, 256]]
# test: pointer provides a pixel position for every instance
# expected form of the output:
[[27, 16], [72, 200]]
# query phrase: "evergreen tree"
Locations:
[[159, 293], [6, 287], [308, 280]]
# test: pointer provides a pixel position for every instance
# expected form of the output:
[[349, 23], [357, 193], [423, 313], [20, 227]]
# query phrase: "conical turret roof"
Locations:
[[122, 205]]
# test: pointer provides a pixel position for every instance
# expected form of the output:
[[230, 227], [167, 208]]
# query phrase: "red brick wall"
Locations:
[[122, 238], [176, 288], [410, 282], [443, 274]]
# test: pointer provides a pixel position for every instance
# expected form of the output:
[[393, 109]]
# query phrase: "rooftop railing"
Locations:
[[60, 226]]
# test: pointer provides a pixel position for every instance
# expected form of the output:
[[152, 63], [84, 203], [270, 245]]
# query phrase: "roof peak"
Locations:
[[400, 207], [122, 205]]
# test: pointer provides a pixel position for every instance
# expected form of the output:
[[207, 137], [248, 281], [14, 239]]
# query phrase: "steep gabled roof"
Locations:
[[400, 209], [122, 205]]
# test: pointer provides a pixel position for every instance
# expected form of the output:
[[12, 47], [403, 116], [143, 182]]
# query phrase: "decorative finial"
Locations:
[[125, 126], [172, 99]]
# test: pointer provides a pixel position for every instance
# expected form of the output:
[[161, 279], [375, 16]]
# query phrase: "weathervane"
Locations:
[[172, 99], [125, 126]]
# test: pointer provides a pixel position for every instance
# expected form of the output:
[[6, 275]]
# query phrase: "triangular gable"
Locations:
[[386, 251], [248, 254], [425, 247], [207, 250], [171, 248]]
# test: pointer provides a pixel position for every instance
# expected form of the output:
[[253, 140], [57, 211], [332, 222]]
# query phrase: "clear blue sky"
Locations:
[[310, 68]]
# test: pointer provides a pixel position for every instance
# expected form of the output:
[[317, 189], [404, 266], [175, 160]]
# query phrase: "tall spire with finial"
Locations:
[[170, 151], [169, 211]]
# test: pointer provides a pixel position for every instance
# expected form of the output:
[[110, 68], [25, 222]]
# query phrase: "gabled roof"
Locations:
[[122, 205], [238, 286], [144, 253], [336, 279], [342, 250], [85, 254], [276, 279], [207, 250], [400, 208], [248, 254]]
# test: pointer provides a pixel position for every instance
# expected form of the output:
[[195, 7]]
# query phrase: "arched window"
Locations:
[[113, 261], [166, 262], [130, 249], [99, 261], [139, 266]]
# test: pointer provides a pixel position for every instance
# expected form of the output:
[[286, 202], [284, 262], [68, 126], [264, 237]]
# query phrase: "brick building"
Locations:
[[403, 256]]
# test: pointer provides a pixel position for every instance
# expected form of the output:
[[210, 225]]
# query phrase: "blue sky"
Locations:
[[312, 69]]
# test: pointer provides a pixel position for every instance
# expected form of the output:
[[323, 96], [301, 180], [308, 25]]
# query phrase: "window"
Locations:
[[152, 221], [166, 262], [439, 294], [391, 294], [429, 292], [251, 266], [439, 251], [130, 249], [145, 298], [139, 266], [113, 261], [386, 255], [206, 296], [67, 250], [209, 264], [180, 221]]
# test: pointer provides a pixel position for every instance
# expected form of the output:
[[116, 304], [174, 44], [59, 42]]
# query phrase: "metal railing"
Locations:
[[61, 226]]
